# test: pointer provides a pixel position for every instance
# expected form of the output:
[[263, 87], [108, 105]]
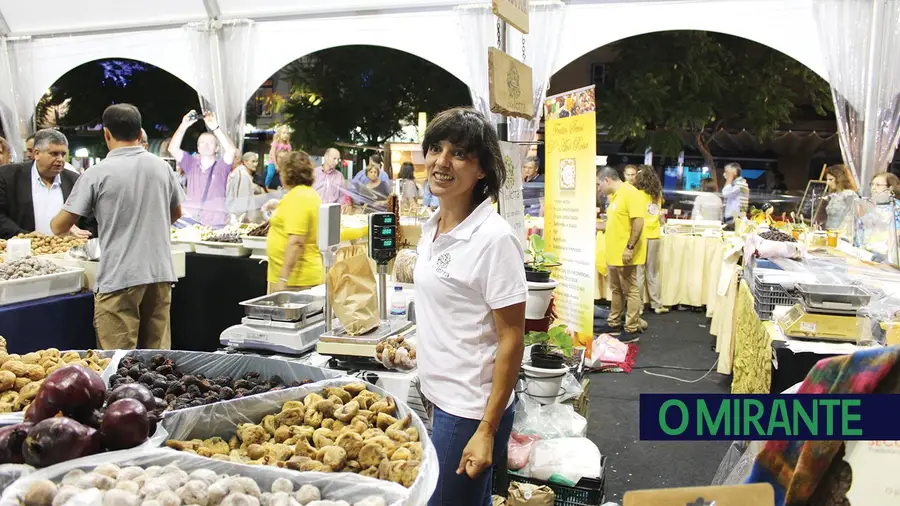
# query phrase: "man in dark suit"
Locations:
[[32, 193]]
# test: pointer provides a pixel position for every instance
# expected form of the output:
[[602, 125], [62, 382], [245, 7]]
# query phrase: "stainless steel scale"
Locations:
[[284, 322], [293, 323], [825, 313], [337, 342]]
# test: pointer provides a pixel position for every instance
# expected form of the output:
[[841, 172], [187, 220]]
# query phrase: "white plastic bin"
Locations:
[[39, 287]]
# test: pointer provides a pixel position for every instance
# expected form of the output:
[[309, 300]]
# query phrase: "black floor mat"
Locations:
[[679, 338]]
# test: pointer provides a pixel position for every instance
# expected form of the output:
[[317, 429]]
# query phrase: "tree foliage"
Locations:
[[661, 85], [162, 98], [364, 95]]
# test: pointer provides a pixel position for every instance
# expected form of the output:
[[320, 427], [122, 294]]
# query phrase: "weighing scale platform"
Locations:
[[339, 343], [802, 322]]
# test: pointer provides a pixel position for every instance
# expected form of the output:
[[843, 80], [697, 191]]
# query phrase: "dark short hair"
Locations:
[[123, 122], [468, 130], [607, 171], [296, 169], [707, 185], [407, 171], [533, 159], [376, 158]]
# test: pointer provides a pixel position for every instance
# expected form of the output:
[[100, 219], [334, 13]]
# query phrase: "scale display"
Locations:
[[382, 237]]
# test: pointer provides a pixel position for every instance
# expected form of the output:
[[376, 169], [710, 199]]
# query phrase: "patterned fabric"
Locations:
[[795, 468], [752, 366]]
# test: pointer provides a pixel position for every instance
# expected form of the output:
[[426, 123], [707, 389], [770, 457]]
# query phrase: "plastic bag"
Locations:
[[221, 419], [518, 450], [572, 458], [337, 486], [548, 422], [737, 463], [606, 349], [9, 473], [236, 365]]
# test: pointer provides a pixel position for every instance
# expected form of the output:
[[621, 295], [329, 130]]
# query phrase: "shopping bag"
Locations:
[[353, 294]]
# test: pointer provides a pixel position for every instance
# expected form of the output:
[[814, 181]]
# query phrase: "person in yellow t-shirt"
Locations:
[[625, 250], [650, 187], [295, 262]]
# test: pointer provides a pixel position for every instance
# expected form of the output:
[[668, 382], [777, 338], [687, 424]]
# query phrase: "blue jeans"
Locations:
[[450, 435]]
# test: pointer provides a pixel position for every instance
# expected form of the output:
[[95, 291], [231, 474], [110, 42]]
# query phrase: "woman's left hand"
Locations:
[[478, 454]]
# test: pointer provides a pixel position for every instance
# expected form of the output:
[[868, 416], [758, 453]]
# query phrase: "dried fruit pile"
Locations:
[[74, 416], [226, 236], [48, 244], [347, 429], [776, 235], [260, 231], [28, 268], [171, 486], [396, 353], [21, 375], [181, 391]]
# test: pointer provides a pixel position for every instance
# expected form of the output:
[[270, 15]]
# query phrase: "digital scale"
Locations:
[[825, 313], [360, 350], [283, 322]]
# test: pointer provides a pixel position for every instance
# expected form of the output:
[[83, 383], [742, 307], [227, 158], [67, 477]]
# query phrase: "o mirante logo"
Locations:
[[767, 417]]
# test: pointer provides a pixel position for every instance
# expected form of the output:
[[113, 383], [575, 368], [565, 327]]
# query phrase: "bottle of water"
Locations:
[[398, 304]]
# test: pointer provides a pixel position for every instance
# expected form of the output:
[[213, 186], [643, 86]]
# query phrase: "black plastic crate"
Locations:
[[588, 491]]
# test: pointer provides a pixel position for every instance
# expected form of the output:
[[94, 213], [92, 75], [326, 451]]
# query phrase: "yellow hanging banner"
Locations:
[[570, 203]]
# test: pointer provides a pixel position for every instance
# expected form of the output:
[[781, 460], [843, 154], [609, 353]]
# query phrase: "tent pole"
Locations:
[[869, 156]]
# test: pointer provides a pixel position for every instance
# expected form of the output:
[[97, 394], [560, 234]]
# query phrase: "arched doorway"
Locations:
[[75, 102], [353, 97], [716, 97]]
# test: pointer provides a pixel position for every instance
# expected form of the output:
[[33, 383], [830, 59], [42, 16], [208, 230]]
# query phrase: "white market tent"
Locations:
[[226, 48]]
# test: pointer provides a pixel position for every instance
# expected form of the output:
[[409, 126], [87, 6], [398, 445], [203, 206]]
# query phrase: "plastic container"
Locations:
[[398, 304], [221, 249], [544, 385], [587, 492], [40, 287]]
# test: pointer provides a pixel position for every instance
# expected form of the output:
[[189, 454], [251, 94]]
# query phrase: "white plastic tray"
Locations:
[[221, 249], [185, 246], [39, 287], [256, 245]]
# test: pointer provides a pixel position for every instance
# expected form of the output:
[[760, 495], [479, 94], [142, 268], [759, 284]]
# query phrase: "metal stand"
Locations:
[[328, 258], [382, 292]]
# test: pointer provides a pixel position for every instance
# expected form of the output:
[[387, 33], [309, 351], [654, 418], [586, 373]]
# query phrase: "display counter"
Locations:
[[64, 322], [206, 302]]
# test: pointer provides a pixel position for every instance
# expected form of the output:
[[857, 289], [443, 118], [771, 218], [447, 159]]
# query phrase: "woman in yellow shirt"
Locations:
[[295, 262], [647, 181]]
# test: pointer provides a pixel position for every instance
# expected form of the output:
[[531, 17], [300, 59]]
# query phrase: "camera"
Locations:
[[194, 115]]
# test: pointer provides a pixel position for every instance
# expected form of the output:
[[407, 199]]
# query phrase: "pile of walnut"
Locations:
[[21, 376], [109, 484], [347, 429], [396, 353], [49, 244]]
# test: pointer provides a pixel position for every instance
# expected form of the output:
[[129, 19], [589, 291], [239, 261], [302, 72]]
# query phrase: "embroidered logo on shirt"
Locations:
[[441, 265]]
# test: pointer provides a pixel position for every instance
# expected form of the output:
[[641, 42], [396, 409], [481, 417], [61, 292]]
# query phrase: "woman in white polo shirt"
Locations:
[[470, 306]]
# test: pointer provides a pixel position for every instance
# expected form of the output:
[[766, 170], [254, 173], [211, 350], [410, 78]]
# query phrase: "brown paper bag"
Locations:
[[526, 494], [354, 294]]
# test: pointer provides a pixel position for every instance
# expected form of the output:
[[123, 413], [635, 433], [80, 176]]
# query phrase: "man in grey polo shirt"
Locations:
[[135, 198]]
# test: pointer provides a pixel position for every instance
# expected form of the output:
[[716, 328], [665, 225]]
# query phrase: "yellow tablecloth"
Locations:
[[721, 310], [752, 371], [689, 268]]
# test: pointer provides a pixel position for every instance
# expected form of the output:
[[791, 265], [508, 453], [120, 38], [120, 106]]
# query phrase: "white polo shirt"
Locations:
[[460, 278]]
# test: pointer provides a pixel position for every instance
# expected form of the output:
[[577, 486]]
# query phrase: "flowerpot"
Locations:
[[536, 276], [547, 360], [543, 384], [539, 295]]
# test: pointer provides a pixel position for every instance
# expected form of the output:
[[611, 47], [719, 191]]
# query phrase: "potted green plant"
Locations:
[[550, 349], [538, 269]]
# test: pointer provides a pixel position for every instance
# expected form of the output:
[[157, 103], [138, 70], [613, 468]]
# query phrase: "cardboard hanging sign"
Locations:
[[757, 494], [354, 295], [509, 85], [514, 12]]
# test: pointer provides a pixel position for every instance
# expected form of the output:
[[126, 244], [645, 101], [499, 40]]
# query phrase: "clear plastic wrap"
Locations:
[[878, 323], [875, 229], [337, 486], [552, 421], [114, 355], [573, 458], [236, 365], [9, 473], [221, 419], [735, 466]]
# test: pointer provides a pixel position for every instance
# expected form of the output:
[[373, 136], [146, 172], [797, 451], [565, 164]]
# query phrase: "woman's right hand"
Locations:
[[189, 119]]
